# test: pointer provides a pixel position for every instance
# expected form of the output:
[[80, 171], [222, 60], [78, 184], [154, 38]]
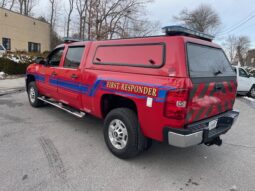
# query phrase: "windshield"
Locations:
[[206, 61]]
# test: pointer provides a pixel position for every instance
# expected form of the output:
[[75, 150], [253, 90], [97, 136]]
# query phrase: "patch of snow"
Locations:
[[20, 58], [249, 98], [2, 75], [234, 188]]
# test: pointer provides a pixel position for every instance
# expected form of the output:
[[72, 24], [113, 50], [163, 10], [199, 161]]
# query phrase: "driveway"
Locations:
[[12, 85], [48, 149]]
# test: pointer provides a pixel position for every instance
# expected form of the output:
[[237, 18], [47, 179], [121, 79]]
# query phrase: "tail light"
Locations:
[[176, 104]]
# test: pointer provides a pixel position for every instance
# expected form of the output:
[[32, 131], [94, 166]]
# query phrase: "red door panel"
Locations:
[[69, 86]]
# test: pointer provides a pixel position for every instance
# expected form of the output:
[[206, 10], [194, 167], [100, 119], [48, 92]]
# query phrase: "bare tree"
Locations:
[[107, 19], [3, 3], [71, 7], [53, 13], [54, 9], [8, 4], [82, 7], [230, 47], [26, 6], [204, 19], [243, 45], [12, 3], [237, 48]]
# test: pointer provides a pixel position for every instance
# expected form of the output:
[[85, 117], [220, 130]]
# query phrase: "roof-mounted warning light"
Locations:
[[70, 40], [185, 31]]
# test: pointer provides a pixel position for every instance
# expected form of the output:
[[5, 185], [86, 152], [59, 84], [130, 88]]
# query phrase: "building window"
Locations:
[[252, 60], [34, 47], [6, 43]]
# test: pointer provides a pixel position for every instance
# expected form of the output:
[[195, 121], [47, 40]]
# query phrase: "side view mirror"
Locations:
[[40, 60]]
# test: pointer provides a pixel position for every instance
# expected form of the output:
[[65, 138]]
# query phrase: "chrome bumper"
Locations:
[[193, 134], [179, 140]]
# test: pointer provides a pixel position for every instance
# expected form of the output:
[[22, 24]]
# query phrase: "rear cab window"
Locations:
[[205, 61], [134, 55]]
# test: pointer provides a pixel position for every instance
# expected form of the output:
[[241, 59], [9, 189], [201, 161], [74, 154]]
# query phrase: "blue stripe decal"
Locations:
[[77, 87], [100, 84], [40, 78], [95, 87]]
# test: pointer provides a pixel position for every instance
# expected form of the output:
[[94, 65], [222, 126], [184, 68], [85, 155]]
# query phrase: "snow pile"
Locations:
[[2, 75], [249, 98], [20, 58]]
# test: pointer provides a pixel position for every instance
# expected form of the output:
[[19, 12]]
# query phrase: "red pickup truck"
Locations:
[[177, 88]]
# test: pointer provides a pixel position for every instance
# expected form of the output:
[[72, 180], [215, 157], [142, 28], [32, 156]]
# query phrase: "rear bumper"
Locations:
[[199, 132]]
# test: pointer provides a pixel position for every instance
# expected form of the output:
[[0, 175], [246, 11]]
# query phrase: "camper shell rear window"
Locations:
[[135, 55], [205, 61]]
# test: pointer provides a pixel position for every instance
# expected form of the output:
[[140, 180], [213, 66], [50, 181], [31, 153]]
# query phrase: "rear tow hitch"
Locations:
[[216, 141]]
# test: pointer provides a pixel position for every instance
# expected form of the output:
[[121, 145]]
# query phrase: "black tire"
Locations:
[[136, 142], [252, 92], [34, 102]]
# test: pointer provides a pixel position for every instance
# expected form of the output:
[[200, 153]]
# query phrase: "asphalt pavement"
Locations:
[[8, 86], [48, 149]]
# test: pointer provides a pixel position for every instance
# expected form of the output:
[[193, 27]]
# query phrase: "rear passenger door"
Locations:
[[70, 87]]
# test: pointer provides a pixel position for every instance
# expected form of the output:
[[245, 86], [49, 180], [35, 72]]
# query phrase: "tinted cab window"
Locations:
[[73, 57], [55, 57]]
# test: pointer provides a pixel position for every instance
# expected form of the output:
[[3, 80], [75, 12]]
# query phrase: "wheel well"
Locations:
[[30, 78], [110, 102]]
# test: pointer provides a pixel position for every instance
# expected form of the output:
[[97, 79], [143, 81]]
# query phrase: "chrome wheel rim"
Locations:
[[32, 94], [253, 92], [118, 134]]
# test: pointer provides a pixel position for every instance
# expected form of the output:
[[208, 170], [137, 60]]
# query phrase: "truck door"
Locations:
[[70, 87], [244, 83], [49, 87]]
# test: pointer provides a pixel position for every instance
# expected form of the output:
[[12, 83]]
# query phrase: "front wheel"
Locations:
[[33, 95], [122, 133], [252, 92]]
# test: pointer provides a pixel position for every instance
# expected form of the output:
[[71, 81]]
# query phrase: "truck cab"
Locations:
[[177, 88]]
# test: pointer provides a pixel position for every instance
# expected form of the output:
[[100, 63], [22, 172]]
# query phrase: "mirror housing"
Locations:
[[40, 60]]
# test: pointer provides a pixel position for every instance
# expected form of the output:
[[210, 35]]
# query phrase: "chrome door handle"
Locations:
[[53, 74], [74, 76]]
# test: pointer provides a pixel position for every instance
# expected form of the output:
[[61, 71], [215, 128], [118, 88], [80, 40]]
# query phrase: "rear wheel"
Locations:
[[33, 95], [252, 92], [122, 133]]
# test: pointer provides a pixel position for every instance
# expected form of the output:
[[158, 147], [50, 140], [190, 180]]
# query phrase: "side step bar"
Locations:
[[59, 105]]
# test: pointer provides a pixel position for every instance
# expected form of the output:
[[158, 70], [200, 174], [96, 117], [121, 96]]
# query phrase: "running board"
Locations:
[[59, 105]]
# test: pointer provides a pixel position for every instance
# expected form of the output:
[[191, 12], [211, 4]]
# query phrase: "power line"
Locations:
[[229, 28], [238, 25]]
